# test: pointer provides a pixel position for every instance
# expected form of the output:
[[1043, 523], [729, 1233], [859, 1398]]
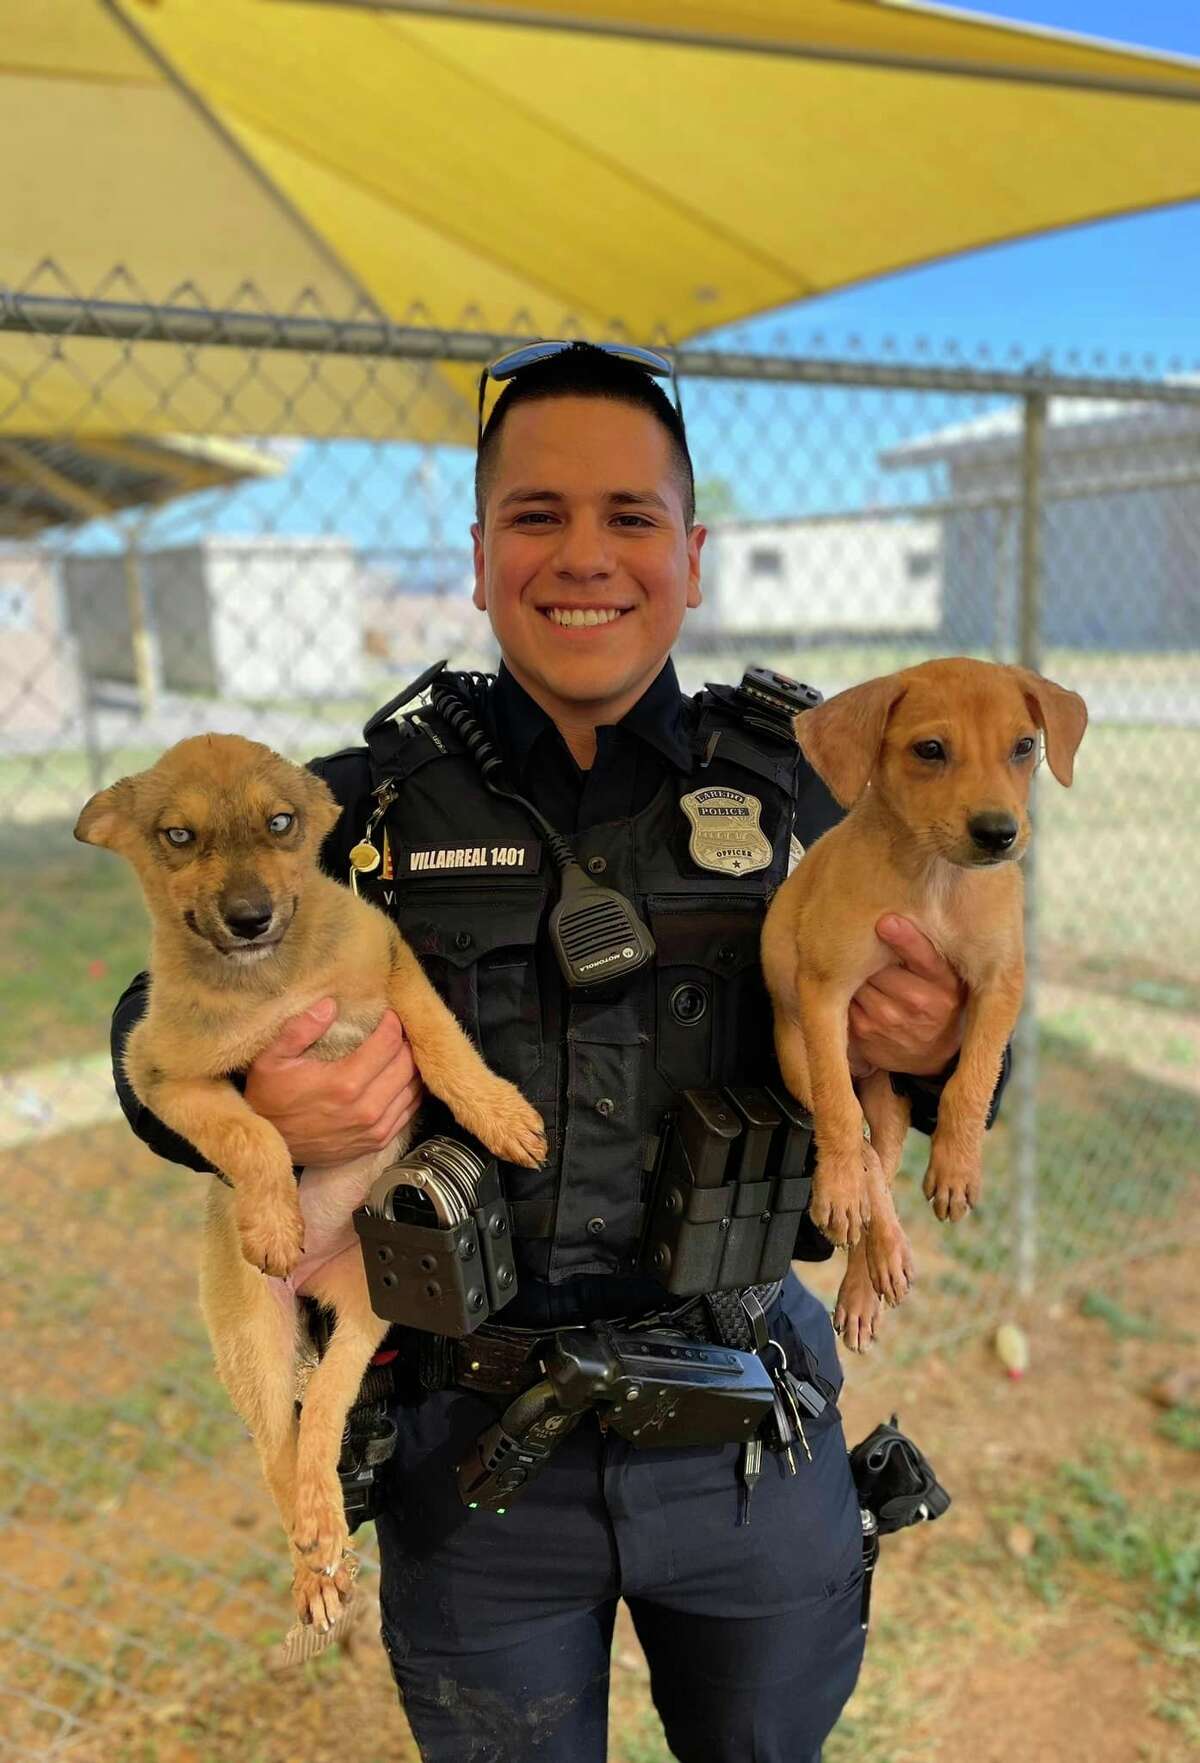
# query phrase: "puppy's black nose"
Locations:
[[993, 832], [247, 920]]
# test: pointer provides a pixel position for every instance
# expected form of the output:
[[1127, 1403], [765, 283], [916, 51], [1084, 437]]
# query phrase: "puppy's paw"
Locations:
[[319, 1534], [889, 1259], [320, 1598], [952, 1187], [858, 1309], [841, 1201], [272, 1236], [512, 1129]]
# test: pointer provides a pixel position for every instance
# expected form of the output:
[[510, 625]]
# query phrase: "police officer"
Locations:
[[498, 1628]]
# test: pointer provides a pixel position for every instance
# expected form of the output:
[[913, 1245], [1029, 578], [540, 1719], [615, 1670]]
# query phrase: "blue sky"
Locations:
[[1123, 285], [1125, 288]]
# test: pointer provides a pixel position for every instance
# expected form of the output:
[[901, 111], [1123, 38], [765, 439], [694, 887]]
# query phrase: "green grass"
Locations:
[[1181, 1426], [1116, 1152], [1086, 1518], [56, 785], [643, 1744], [1116, 855], [820, 662], [89, 1451], [1121, 1323], [73, 930], [1083, 1519]]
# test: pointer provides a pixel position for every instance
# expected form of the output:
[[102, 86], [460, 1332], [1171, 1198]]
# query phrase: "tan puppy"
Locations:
[[934, 765], [247, 932]]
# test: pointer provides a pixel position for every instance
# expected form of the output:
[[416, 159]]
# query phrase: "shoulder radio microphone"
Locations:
[[595, 932]]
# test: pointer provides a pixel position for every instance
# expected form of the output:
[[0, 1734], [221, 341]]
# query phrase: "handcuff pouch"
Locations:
[[430, 1272]]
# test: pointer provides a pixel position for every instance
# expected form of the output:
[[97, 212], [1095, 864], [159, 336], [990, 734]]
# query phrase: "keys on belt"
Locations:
[[796, 1398]]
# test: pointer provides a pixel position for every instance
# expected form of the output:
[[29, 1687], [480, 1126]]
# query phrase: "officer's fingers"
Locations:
[[385, 1044], [911, 994], [291, 1092], [912, 945], [299, 1032], [380, 1096], [859, 1043], [880, 1012], [394, 1121]]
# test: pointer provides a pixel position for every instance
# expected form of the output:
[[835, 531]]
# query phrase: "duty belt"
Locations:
[[500, 1360], [670, 1379]]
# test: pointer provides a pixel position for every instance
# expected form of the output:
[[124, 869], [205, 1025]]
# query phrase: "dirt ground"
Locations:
[[1054, 1613]]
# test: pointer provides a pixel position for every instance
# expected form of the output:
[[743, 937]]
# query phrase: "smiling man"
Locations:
[[586, 551], [587, 559]]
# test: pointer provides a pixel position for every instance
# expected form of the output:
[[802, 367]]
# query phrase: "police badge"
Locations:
[[726, 835]]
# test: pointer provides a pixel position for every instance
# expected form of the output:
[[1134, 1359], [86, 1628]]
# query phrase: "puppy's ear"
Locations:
[[841, 738], [1061, 715], [320, 804], [108, 815]]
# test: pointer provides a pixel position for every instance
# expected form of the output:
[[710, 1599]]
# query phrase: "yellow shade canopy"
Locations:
[[62, 482], [653, 168]]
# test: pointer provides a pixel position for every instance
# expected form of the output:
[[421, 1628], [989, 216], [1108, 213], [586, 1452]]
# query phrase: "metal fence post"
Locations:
[[1025, 1040]]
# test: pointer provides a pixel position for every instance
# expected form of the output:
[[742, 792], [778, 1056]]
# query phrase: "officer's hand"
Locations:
[[909, 1015], [329, 1111]]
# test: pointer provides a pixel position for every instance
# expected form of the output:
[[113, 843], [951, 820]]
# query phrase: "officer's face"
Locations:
[[584, 564]]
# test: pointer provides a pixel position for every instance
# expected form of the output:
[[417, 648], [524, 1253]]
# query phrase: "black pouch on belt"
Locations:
[[895, 1480]]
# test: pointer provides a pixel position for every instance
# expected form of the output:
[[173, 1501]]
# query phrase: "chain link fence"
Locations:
[[214, 516]]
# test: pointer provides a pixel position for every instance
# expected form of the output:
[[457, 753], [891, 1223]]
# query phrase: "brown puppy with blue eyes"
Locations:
[[247, 933], [933, 764]]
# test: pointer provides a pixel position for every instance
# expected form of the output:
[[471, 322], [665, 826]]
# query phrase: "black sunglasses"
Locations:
[[507, 367]]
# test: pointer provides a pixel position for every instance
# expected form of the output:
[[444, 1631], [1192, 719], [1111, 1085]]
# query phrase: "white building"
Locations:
[[1120, 534], [39, 680], [262, 618], [860, 576]]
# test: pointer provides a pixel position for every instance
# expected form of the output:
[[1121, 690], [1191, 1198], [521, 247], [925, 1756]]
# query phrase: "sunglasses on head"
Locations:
[[507, 367]]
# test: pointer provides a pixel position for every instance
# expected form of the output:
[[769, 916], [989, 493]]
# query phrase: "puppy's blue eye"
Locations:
[[1024, 747], [279, 823], [178, 835], [929, 750]]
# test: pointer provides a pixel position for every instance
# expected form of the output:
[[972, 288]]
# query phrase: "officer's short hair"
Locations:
[[584, 372]]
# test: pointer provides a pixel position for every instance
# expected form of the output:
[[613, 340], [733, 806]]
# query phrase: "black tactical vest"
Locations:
[[467, 881]]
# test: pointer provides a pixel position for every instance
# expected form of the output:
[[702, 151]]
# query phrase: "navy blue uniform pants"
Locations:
[[498, 1628]]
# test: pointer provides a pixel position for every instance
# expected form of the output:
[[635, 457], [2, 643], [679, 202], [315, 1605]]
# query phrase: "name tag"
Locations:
[[414, 861]]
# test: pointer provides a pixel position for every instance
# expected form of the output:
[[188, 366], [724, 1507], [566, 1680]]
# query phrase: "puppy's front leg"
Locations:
[[955, 1174], [841, 1205], [211, 1115], [487, 1105]]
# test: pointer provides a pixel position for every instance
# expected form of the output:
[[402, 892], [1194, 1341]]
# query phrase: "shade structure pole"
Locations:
[[139, 624]]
